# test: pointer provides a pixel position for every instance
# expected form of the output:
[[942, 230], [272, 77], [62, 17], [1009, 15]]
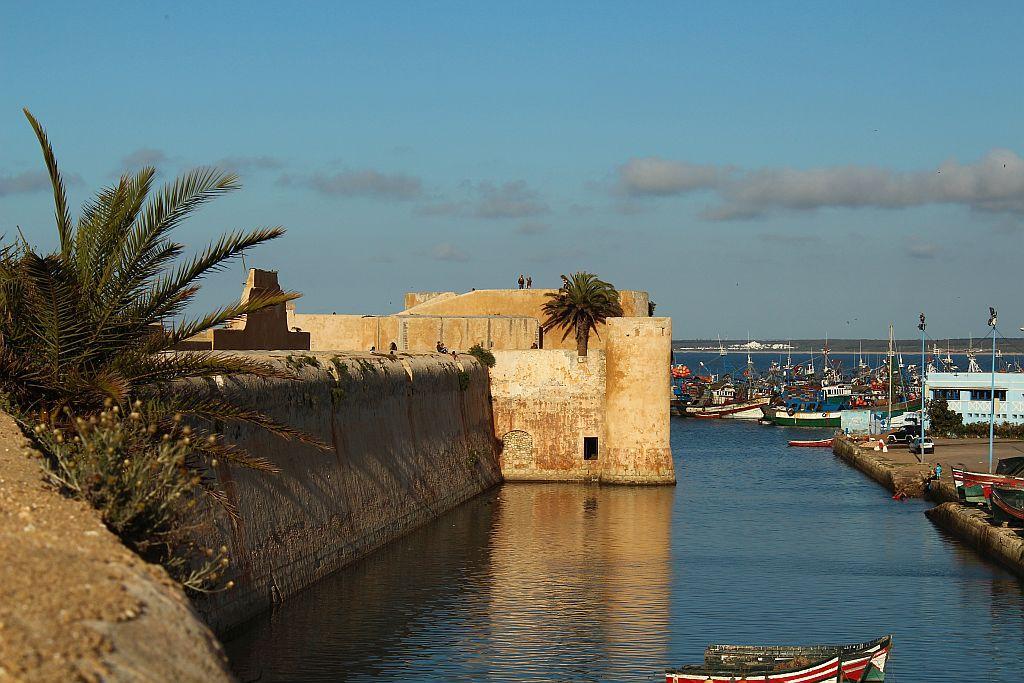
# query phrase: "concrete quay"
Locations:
[[899, 470], [974, 528]]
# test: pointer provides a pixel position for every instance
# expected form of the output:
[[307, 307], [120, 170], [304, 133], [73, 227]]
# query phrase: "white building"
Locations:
[[970, 394]]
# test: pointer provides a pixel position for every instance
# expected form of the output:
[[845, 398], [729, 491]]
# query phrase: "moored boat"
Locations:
[[819, 443], [966, 480], [743, 410], [857, 663], [1007, 505]]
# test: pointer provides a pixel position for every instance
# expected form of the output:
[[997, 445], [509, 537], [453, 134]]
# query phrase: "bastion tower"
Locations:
[[636, 429]]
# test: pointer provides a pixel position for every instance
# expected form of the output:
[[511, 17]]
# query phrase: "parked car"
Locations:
[[904, 434], [921, 446]]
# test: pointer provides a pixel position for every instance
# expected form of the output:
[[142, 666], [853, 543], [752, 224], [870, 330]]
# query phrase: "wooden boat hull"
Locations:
[[745, 410], [1007, 505], [964, 479], [781, 418], [833, 664], [832, 418], [820, 443]]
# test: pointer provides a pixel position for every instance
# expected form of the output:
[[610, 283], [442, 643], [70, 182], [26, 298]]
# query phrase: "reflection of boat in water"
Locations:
[[859, 663]]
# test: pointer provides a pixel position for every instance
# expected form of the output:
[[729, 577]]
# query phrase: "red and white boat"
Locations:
[[964, 478], [820, 443], [859, 663]]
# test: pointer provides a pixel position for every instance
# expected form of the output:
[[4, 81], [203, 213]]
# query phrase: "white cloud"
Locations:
[[532, 228], [144, 156], [448, 252], [924, 251], [27, 181], [249, 163], [358, 183], [513, 199], [655, 176], [993, 183]]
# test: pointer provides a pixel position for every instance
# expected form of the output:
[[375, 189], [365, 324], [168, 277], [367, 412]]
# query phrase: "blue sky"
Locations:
[[787, 169]]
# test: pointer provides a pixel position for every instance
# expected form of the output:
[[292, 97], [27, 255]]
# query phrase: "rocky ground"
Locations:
[[75, 604]]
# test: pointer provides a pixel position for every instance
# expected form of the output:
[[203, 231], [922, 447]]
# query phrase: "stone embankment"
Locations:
[[897, 469], [410, 437], [974, 528], [76, 604]]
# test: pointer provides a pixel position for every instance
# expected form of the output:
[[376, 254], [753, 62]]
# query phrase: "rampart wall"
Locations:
[[410, 437], [545, 404], [416, 333], [526, 303]]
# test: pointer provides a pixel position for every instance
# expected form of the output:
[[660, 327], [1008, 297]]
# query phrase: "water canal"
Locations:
[[758, 543]]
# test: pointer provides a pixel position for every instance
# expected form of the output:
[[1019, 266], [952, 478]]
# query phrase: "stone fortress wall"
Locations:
[[410, 437], [601, 417]]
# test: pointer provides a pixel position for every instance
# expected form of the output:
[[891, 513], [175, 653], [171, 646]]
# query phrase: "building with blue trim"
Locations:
[[970, 394]]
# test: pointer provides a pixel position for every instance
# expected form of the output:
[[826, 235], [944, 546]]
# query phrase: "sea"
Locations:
[[758, 543]]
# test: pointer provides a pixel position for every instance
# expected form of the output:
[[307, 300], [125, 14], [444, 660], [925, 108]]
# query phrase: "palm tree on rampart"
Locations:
[[583, 302], [94, 324]]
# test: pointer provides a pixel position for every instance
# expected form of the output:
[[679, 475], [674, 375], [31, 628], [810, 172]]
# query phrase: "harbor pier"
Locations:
[[900, 471]]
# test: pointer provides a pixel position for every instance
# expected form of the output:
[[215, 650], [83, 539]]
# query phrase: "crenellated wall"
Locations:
[[410, 437]]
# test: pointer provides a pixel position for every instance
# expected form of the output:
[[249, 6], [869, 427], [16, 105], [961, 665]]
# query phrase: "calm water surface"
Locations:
[[757, 543]]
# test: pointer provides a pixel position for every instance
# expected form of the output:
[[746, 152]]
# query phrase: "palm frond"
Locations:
[[60, 195]]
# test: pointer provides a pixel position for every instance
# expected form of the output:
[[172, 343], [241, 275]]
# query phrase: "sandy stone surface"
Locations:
[[76, 604]]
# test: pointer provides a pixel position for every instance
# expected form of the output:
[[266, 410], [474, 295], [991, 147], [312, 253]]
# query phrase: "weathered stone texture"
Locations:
[[636, 407], [556, 399], [974, 528], [411, 437], [76, 604]]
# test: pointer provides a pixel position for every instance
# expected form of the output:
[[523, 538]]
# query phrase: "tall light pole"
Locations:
[[992, 319], [924, 370]]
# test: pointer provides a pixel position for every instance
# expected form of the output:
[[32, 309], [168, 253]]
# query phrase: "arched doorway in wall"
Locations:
[[517, 450]]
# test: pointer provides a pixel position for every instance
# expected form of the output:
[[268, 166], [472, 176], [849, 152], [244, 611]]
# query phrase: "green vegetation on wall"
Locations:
[[82, 343], [485, 357]]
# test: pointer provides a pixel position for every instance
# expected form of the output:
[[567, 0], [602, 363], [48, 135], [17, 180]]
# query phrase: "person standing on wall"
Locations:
[[521, 281], [529, 282]]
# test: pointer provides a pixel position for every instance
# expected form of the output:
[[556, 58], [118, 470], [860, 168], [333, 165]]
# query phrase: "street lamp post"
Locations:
[[992, 320], [924, 370]]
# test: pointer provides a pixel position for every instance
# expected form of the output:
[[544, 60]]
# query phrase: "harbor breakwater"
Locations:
[[974, 528], [970, 525], [896, 470], [410, 437]]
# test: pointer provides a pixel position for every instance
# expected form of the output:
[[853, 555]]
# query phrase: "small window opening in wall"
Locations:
[[590, 448]]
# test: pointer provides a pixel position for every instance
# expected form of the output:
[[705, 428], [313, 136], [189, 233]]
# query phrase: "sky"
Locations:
[[781, 169]]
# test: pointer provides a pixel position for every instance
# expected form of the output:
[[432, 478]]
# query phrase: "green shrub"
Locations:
[[83, 340], [485, 357], [143, 482], [463, 380]]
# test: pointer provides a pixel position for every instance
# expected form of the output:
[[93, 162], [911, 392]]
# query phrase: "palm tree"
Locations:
[[94, 323], [583, 302]]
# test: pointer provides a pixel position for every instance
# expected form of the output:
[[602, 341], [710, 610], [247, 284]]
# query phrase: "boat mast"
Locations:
[[890, 373]]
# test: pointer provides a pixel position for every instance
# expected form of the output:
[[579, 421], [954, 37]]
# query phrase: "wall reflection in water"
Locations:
[[531, 581]]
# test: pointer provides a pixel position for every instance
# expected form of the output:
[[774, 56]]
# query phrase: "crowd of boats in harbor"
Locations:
[[816, 391]]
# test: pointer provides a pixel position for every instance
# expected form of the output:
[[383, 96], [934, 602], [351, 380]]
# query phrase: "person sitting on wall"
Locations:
[[441, 348], [393, 347], [373, 349], [534, 345], [935, 476]]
